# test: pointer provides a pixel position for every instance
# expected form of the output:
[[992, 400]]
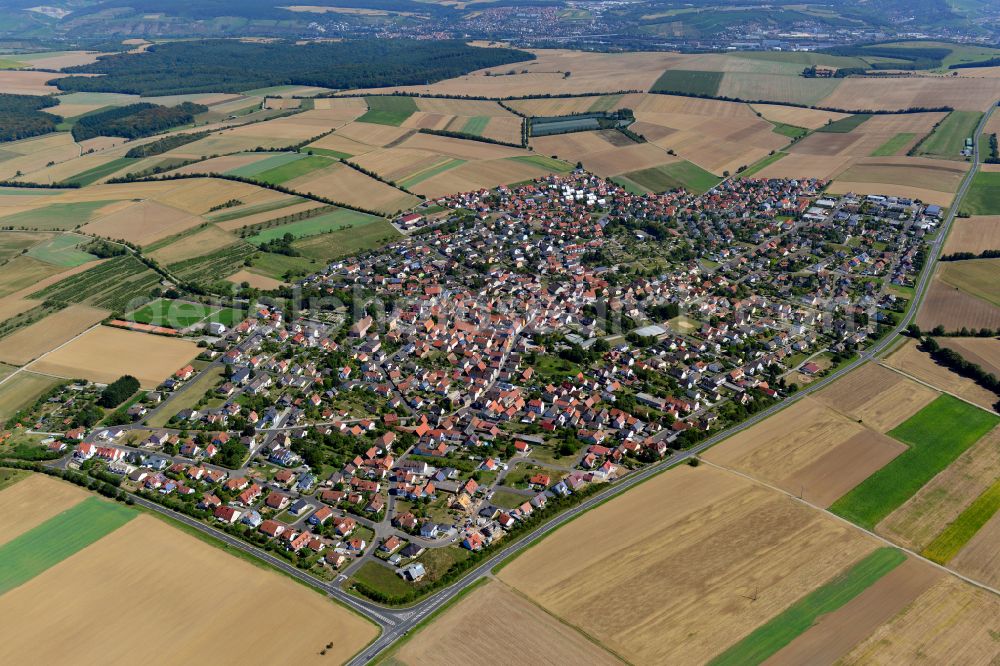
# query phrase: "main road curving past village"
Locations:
[[397, 622]]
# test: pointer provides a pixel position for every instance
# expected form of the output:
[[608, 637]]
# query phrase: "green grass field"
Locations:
[[845, 125], [172, 314], [388, 110], [628, 185], [260, 166], [948, 138], [57, 538], [983, 198], [476, 125], [95, 174], [975, 276], [63, 250], [326, 247], [336, 154], [54, 216], [791, 131], [893, 145], [761, 164], [689, 82], [954, 537], [421, 176], [292, 170], [782, 629], [547, 163], [316, 225], [672, 176], [936, 435]]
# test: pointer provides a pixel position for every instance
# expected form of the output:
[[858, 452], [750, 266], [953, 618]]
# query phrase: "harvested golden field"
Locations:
[[983, 351], [198, 195], [31, 501], [953, 308], [877, 396], [836, 633], [75, 612], [396, 164], [371, 134], [951, 623], [26, 82], [606, 152], [256, 218], [914, 172], [143, 223], [36, 269], [973, 234], [23, 272], [476, 175], [33, 154], [460, 148], [792, 115], [30, 342], [342, 108], [568, 146], [727, 540], [909, 359], [927, 196], [341, 183], [343, 145], [504, 128], [202, 242], [10, 306], [63, 171], [925, 515], [802, 165], [222, 164], [104, 354], [541, 639], [809, 450], [254, 280], [591, 72], [966, 94], [563, 106], [20, 390], [461, 107], [980, 558]]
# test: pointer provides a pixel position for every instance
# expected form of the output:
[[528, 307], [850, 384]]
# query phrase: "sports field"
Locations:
[[936, 436], [171, 314], [388, 110], [59, 537]]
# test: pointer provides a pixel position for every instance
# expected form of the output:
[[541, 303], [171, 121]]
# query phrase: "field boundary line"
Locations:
[[24, 368], [870, 533], [931, 386]]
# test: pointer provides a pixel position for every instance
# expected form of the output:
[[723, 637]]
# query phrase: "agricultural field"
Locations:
[[918, 521], [895, 145], [57, 216], [948, 138], [909, 359], [104, 354], [24, 511], [977, 277], [973, 234], [112, 285], [12, 243], [62, 250], [931, 181], [231, 590], [983, 351], [983, 197], [254, 280], [202, 241], [388, 110], [337, 220], [47, 544], [949, 306], [754, 561], [30, 342], [810, 450], [474, 621], [343, 184], [143, 223], [846, 124], [688, 82], [213, 267], [673, 176], [795, 116], [603, 152], [329, 246], [935, 436], [22, 389], [951, 622]]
